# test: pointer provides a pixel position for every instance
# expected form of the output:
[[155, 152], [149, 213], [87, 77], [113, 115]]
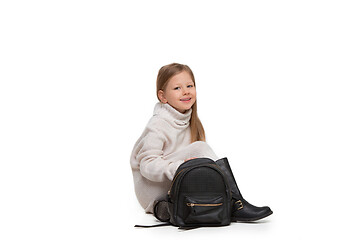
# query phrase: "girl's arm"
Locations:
[[156, 167], [153, 165]]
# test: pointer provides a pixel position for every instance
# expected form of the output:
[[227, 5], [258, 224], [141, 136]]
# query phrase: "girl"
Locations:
[[174, 135]]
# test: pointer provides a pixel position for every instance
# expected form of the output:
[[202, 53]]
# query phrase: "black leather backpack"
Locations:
[[199, 195]]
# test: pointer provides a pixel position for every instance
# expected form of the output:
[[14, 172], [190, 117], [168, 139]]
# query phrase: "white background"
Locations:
[[278, 94]]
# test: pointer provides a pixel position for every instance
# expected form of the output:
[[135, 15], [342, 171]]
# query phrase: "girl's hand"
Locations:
[[189, 159]]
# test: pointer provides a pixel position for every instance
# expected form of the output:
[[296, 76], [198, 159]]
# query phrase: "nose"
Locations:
[[186, 91]]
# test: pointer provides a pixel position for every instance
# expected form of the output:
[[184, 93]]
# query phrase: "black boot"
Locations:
[[242, 210], [161, 211]]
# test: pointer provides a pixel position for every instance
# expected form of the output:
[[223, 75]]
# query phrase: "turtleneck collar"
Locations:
[[172, 115]]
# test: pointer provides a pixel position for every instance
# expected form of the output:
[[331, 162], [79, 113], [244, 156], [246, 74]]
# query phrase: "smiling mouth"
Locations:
[[185, 99]]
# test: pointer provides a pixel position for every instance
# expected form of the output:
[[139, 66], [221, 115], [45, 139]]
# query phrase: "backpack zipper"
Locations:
[[174, 179], [203, 204]]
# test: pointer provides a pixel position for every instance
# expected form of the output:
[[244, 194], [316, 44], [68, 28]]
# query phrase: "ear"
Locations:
[[161, 96]]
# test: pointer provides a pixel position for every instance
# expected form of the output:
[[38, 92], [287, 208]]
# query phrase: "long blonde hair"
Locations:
[[165, 73]]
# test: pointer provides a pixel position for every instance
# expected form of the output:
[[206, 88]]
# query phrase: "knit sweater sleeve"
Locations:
[[153, 164]]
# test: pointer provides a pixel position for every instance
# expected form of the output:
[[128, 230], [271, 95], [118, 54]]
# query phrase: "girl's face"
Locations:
[[180, 92]]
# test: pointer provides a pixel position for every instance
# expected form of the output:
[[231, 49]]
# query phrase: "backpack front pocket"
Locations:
[[204, 209]]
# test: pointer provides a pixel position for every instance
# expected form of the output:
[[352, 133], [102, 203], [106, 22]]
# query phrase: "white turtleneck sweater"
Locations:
[[162, 147]]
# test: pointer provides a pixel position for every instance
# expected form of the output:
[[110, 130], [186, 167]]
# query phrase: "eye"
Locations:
[[190, 86], [176, 88]]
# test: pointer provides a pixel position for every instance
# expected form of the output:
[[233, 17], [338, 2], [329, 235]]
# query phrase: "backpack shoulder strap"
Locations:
[[157, 225]]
